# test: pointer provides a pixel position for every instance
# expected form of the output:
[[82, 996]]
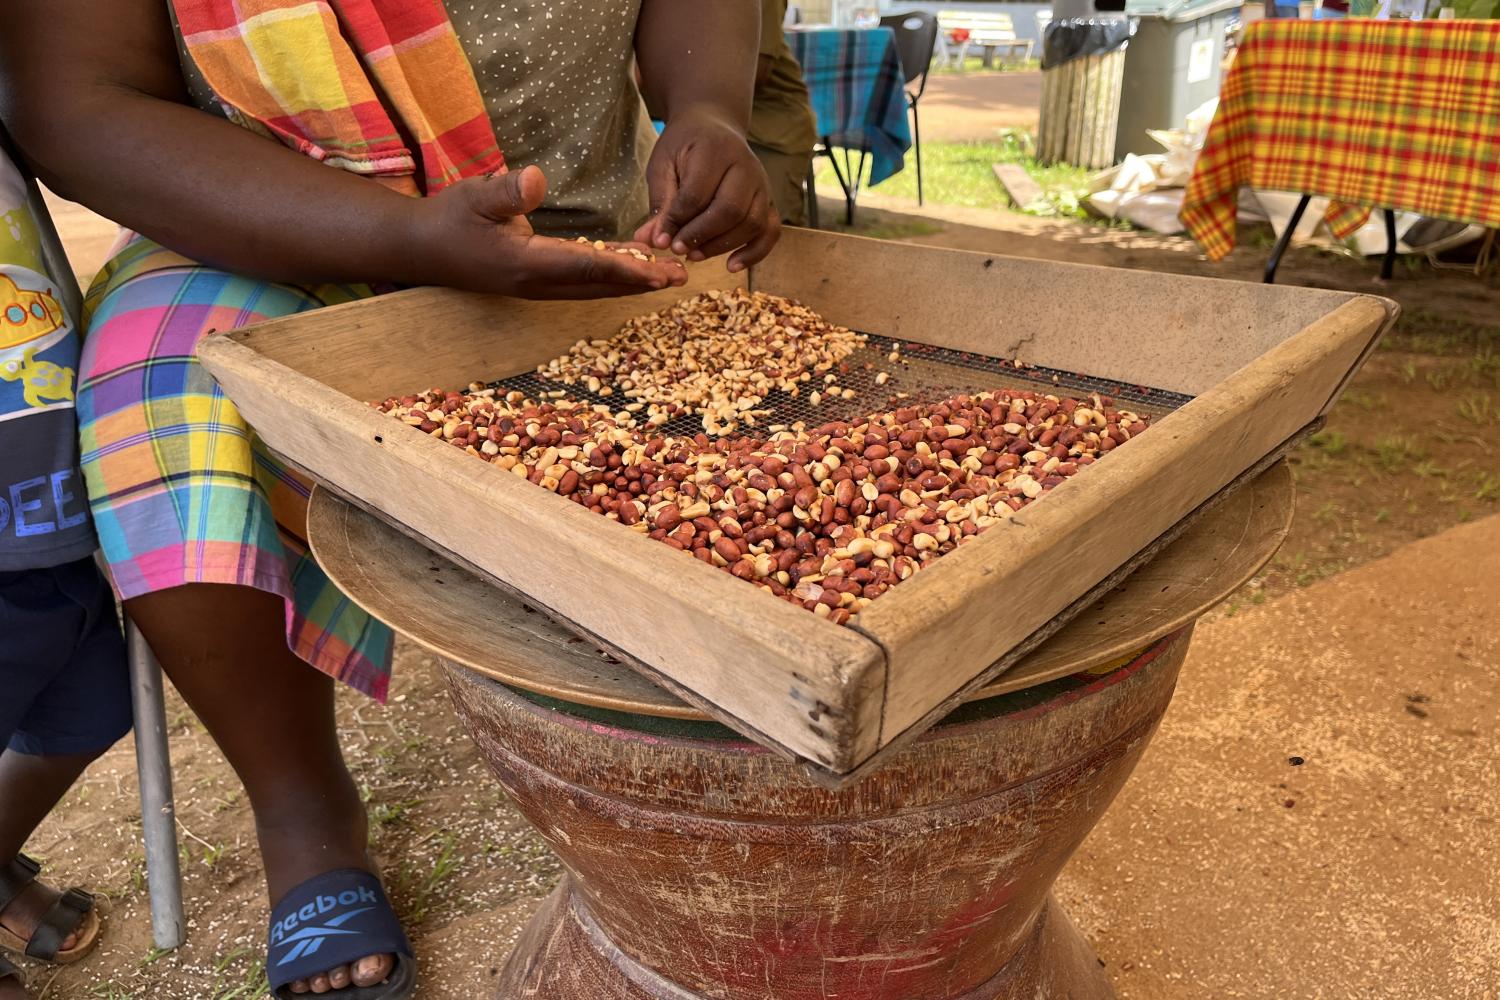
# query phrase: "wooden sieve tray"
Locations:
[[1258, 365]]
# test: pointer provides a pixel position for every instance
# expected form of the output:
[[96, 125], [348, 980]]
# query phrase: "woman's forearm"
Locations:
[[696, 54], [217, 193], [95, 100]]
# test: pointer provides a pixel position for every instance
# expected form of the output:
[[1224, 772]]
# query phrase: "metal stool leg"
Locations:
[[158, 814]]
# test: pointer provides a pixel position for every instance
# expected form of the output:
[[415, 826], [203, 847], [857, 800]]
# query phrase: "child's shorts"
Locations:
[[64, 681]]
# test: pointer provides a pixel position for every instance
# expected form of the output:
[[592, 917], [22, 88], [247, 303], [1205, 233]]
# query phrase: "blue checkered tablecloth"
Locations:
[[857, 88]]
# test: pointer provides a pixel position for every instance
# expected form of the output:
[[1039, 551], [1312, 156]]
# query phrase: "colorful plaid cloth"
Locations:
[[858, 92], [1386, 114], [313, 73], [181, 489]]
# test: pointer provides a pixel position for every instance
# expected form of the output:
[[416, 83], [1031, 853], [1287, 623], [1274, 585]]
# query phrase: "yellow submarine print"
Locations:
[[42, 382], [25, 315]]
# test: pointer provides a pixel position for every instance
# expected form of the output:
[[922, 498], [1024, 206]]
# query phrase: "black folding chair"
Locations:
[[916, 39]]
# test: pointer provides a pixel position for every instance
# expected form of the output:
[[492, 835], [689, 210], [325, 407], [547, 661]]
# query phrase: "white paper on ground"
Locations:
[[1147, 190]]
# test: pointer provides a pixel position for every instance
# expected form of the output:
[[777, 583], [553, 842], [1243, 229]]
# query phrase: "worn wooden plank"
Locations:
[[456, 613], [1175, 332], [1033, 565], [1017, 183]]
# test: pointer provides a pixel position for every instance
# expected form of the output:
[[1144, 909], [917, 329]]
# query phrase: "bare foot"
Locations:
[[370, 971]]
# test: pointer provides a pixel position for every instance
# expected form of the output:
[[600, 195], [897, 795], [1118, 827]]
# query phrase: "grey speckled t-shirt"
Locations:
[[557, 77]]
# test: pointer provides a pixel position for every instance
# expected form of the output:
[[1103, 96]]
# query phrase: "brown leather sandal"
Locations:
[[73, 913]]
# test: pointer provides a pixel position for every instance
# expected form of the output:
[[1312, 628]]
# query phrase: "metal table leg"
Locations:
[[1388, 266], [848, 176], [158, 814], [1285, 240], [812, 196]]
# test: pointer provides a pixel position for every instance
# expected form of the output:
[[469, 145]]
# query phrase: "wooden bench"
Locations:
[[962, 30]]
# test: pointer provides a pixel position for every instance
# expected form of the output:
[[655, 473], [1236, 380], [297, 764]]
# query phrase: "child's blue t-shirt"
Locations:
[[44, 518]]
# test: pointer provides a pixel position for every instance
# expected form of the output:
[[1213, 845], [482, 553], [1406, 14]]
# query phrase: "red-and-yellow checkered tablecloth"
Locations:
[[1383, 114]]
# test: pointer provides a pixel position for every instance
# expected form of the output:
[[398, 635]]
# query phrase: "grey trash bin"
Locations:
[[1172, 66]]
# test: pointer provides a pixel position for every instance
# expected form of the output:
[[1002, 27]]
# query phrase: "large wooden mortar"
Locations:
[[701, 865]]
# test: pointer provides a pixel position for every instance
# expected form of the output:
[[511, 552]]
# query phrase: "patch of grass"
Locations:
[[961, 173], [1421, 331], [387, 813], [1395, 452], [899, 230], [423, 886], [112, 991], [1487, 487], [1478, 409], [248, 983], [1485, 364], [1331, 443]]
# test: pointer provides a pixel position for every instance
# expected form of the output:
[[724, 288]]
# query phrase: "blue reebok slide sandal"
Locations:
[[336, 919]]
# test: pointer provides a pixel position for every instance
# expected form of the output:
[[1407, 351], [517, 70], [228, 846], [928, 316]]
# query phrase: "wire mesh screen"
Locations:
[[923, 374]]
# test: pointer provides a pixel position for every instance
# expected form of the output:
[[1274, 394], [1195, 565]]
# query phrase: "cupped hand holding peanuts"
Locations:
[[709, 194], [483, 242]]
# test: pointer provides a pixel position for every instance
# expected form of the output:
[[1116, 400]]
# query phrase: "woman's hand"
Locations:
[[475, 235], [709, 194]]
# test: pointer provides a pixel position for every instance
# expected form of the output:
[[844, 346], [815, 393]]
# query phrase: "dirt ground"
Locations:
[[958, 107], [1223, 871]]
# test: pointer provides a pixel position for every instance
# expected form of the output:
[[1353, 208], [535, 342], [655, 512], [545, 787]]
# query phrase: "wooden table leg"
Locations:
[[699, 865]]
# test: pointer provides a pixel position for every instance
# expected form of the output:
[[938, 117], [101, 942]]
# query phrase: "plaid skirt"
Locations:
[[182, 491]]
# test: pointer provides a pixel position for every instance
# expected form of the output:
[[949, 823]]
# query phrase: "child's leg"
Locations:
[[202, 534], [64, 662], [30, 787]]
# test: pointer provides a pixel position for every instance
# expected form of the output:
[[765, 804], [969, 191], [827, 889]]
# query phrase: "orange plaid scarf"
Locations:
[[312, 73]]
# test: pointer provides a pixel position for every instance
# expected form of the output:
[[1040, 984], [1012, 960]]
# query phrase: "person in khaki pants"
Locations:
[[783, 130]]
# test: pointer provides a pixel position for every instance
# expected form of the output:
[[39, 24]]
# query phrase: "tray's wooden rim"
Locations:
[[984, 686], [330, 513]]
